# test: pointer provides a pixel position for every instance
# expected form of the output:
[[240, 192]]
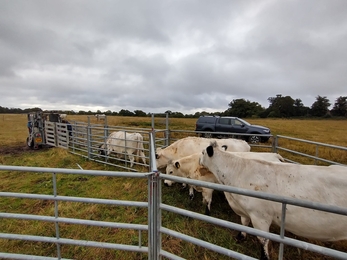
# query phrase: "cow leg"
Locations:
[[143, 157], [108, 152], [207, 198], [262, 223], [241, 236], [191, 192], [131, 158], [168, 183], [264, 248]]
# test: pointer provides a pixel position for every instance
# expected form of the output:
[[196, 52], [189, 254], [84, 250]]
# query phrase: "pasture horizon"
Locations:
[[13, 151]]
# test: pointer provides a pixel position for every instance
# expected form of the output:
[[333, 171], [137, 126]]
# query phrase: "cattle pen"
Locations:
[[86, 141]]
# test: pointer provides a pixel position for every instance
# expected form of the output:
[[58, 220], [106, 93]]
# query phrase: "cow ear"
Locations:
[[209, 151], [225, 147], [177, 165]]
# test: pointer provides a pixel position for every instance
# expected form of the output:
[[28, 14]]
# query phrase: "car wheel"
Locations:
[[253, 139], [208, 135]]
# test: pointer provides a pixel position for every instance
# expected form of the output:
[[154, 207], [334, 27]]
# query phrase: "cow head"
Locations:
[[157, 153], [101, 150], [210, 148]]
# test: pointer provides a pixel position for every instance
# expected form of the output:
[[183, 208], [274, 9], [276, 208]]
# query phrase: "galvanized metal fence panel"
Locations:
[[85, 140], [315, 156], [261, 195], [50, 133], [154, 228], [89, 140]]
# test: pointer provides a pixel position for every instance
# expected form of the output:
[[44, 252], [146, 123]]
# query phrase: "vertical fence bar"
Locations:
[[74, 134], [317, 152], [154, 220], [283, 219], [89, 143], [56, 215], [126, 157], [274, 144], [167, 139], [152, 121], [154, 212]]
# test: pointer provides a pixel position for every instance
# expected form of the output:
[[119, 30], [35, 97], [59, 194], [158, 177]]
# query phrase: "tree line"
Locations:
[[279, 107]]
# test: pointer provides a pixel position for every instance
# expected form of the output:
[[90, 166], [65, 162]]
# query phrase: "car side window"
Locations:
[[224, 121], [238, 123]]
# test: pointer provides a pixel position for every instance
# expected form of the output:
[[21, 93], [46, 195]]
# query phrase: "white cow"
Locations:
[[63, 116], [124, 143], [100, 117], [189, 145], [323, 184], [189, 167]]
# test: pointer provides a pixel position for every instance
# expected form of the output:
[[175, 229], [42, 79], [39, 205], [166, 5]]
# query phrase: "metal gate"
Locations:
[[57, 134], [155, 207]]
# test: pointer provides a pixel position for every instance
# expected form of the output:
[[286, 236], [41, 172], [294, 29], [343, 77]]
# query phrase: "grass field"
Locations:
[[13, 151]]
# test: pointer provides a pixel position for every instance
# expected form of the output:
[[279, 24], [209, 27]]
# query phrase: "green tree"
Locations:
[[177, 115], [243, 108], [125, 112], [281, 106], [299, 108], [320, 107], [340, 107], [139, 113]]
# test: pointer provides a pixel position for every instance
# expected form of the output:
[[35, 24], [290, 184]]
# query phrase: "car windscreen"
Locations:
[[243, 121]]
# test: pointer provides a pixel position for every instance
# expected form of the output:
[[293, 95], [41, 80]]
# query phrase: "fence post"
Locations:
[[154, 212], [167, 139], [89, 141], [56, 215], [317, 154], [274, 144]]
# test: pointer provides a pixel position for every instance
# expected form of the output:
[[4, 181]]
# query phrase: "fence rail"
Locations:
[[154, 227], [85, 141]]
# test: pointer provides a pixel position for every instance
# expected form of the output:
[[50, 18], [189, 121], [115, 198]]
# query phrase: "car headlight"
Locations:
[[266, 131]]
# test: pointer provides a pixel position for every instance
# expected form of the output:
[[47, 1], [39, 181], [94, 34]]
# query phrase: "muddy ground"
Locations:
[[17, 149]]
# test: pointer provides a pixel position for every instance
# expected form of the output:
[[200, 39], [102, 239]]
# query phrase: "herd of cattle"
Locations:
[[230, 162]]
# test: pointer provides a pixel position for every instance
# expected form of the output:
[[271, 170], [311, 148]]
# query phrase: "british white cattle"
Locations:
[[100, 117], [189, 145], [124, 143], [323, 184], [63, 116], [189, 167]]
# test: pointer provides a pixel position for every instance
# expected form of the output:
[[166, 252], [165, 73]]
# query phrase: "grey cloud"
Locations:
[[169, 55]]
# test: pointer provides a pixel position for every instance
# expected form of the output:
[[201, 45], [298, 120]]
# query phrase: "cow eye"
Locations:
[[170, 172], [156, 156]]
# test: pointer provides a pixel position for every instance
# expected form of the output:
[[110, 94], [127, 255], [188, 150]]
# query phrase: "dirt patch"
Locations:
[[14, 150]]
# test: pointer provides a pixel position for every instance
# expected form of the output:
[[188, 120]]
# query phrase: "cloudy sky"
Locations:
[[159, 55]]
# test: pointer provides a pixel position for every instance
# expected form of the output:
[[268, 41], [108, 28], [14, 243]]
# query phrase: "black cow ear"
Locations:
[[209, 151], [177, 165]]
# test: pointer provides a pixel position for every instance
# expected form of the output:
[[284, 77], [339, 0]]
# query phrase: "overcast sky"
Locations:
[[183, 56]]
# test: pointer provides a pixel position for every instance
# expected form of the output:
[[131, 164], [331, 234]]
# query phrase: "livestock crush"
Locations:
[[86, 140]]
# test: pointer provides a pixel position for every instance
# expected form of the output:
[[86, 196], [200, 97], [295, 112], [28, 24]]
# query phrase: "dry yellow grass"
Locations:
[[13, 133]]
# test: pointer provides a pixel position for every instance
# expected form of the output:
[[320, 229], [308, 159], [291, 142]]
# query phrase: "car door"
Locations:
[[223, 125], [238, 126]]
